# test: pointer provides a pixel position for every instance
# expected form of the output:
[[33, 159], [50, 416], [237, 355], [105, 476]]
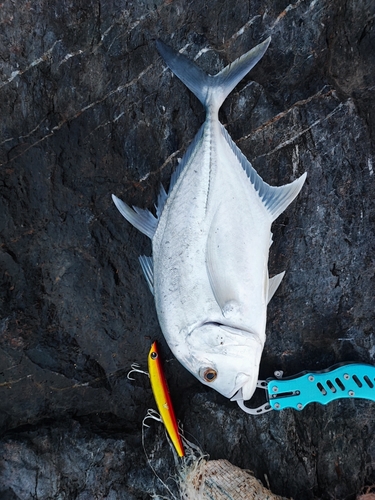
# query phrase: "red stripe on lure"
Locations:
[[163, 400]]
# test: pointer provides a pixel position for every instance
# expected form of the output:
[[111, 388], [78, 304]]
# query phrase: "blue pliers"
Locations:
[[348, 380]]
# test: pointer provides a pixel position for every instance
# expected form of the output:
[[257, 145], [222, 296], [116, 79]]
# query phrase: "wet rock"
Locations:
[[68, 461], [88, 109]]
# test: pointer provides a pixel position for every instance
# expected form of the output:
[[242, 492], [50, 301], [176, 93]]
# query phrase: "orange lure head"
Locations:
[[163, 400]]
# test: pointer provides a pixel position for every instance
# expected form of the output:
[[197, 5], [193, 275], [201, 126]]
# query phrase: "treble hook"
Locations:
[[136, 368], [151, 413]]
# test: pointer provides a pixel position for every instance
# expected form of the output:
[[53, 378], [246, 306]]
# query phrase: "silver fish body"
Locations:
[[210, 243]]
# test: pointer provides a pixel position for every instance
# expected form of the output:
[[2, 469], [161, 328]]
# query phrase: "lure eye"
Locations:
[[209, 374], [154, 355]]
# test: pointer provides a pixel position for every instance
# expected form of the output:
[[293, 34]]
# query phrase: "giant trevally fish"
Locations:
[[210, 242]]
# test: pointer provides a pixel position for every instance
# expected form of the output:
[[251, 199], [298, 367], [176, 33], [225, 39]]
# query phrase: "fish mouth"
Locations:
[[239, 399], [246, 389], [238, 396], [242, 380]]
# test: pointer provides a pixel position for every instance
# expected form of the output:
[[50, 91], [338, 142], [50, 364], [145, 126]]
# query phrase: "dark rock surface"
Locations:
[[88, 110]]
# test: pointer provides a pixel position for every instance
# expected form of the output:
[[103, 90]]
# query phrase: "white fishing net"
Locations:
[[220, 480]]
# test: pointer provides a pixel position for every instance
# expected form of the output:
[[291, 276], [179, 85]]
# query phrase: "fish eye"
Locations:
[[209, 374], [154, 355]]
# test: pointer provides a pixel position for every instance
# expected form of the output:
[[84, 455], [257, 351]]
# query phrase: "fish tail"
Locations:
[[211, 90]]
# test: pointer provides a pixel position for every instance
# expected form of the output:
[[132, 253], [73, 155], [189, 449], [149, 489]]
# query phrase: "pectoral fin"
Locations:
[[140, 218]]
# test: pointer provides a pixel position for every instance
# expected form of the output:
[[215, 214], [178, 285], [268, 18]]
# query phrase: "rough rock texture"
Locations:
[[88, 109]]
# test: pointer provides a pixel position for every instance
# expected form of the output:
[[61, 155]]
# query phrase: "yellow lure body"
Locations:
[[163, 400]]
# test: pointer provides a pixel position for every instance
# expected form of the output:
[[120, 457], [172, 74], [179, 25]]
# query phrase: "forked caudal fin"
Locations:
[[211, 90]]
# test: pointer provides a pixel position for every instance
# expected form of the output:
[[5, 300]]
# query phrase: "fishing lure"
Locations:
[[163, 400]]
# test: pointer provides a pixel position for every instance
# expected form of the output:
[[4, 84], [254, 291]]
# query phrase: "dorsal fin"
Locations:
[[274, 198]]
